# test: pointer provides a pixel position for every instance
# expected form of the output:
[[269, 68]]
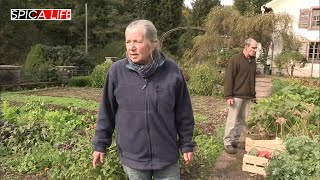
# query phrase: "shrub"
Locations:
[[53, 143], [278, 84], [224, 55], [293, 110], [289, 59], [68, 56], [80, 81], [45, 72], [35, 57], [204, 80], [299, 161], [113, 49], [99, 74]]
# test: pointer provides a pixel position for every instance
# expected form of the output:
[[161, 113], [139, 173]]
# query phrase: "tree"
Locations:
[[227, 29], [106, 23], [200, 10], [249, 7], [170, 16], [142, 9], [15, 36], [289, 60]]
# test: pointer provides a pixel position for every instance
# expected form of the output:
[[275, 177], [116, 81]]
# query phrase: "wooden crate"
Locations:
[[254, 164], [271, 146]]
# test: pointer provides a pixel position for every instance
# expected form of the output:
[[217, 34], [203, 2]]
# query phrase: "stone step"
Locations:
[[263, 89], [263, 84], [260, 79]]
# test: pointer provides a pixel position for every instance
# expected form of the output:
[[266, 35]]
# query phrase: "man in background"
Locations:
[[239, 90]]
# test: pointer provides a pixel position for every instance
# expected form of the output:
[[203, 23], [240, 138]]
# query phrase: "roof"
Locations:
[[273, 3]]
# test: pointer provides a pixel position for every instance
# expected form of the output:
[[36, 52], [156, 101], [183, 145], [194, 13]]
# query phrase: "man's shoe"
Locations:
[[239, 145], [229, 149]]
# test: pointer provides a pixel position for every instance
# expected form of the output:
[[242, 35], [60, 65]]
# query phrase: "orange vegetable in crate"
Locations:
[[264, 154]]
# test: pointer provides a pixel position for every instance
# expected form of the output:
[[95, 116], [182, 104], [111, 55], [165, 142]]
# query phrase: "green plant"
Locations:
[[68, 56], [204, 80], [113, 49], [37, 68], [208, 148], [225, 54], [35, 57], [99, 74], [80, 81], [290, 59], [55, 143], [299, 161], [278, 84], [62, 102], [292, 110], [67, 153]]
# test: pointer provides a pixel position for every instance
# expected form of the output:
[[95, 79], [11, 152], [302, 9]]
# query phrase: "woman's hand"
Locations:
[[188, 156], [98, 158]]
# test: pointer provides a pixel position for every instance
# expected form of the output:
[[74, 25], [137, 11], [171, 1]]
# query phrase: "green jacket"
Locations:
[[240, 77]]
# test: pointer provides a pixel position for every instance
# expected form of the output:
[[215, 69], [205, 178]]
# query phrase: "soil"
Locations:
[[226, 167]]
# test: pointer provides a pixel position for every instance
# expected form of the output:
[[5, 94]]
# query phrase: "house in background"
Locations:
[[306, 26]]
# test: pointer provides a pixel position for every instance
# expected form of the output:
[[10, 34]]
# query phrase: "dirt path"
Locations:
[[229, 167]]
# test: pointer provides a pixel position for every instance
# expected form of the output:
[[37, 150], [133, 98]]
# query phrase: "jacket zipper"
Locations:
[[145, 85], [147, 118], [157, 97]]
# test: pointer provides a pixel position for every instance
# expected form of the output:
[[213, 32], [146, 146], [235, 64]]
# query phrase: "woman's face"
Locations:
[[138, 47]]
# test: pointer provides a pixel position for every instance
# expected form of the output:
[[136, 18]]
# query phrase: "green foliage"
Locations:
[[293, 110], [10, 111], [166, 21], [299, 161], [80, 81], [227, 29], [15, 38], [67, 56], [63, 102], [35, 58], [99, 74], [199, 118], [224, 56], [249, 7], [204, 80], [278, 84], [289, 59], [106, 19], [200, 10], [308, 82], [113, 49], [37, 68], [208, 149], [55, 143], [24, 136], [42, 61]]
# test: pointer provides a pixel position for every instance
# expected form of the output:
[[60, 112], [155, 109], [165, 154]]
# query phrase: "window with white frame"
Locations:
[[315, 18], [314, 51], [310, 18]]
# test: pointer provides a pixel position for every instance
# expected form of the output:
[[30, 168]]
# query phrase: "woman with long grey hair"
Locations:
[[146, 101]]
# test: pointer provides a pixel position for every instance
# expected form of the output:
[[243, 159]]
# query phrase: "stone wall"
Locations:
[[65, 72], [10, 75]]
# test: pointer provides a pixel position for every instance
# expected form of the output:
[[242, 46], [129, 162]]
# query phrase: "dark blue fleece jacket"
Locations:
[[152, 117]]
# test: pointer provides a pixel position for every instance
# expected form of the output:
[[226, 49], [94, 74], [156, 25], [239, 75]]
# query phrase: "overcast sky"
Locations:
[[223, 2]]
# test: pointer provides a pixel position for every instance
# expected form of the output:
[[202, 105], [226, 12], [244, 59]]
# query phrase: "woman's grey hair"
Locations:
[[150, 31], [248, 41]]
